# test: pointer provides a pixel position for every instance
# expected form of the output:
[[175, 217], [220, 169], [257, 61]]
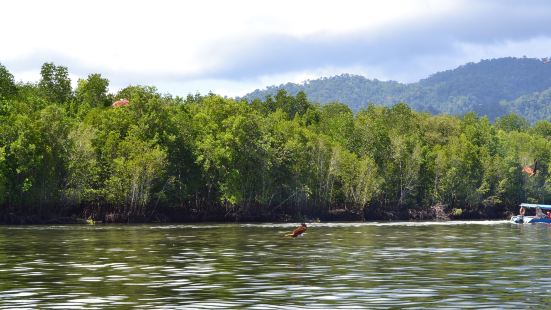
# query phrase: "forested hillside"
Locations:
[[490, 87], [66, 152]]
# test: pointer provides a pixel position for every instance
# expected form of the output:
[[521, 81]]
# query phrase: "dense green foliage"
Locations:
[[491, 87], [535, 106], [213, 157]]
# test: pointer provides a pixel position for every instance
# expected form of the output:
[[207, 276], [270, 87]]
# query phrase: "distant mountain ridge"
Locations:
[[492, 87]]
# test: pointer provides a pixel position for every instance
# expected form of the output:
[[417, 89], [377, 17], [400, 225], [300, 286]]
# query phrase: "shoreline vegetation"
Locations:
[[70, 156], [176, 215]]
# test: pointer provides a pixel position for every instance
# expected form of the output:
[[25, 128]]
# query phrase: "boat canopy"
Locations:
[[535, 205]]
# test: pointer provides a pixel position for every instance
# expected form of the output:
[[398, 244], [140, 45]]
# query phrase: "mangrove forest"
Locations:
[[141, 155]]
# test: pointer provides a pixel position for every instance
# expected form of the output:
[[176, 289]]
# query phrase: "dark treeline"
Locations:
[[69, 153]]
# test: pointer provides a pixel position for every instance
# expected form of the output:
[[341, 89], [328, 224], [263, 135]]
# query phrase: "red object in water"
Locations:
[[528, 170], [120, 103], [298, 231]]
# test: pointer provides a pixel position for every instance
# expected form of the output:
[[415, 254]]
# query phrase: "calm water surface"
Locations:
[[400, 265]]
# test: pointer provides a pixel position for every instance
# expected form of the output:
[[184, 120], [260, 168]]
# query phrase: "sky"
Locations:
[[234, 47]]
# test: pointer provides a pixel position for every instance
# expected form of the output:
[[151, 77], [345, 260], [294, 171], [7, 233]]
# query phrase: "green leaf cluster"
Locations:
[[213, 157]]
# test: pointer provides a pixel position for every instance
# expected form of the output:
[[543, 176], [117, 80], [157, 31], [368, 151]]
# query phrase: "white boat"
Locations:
[[540, 217]]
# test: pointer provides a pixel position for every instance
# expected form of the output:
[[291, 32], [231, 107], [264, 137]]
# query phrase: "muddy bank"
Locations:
[[108, 215]]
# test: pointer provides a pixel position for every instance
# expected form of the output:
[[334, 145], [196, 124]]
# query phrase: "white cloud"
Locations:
[[533, 48], [188, 46]]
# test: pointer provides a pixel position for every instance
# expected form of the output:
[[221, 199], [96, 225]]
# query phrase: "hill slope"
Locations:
[[490, 87]]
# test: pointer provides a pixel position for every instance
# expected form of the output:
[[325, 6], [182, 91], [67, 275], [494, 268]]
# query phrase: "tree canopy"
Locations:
[[209, 157]]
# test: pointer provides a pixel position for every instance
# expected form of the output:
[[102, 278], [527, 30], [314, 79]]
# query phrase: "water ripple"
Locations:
[[481, 264]]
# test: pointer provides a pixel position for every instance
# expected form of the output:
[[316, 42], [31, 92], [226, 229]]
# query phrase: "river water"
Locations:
[[334, 265]]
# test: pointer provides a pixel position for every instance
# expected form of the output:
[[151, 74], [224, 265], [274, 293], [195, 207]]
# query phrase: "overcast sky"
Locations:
[[234, 47]]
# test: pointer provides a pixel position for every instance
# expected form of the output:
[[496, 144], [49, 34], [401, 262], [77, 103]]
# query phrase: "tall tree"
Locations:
[[7, 84], [93, 91], [55, 83]]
